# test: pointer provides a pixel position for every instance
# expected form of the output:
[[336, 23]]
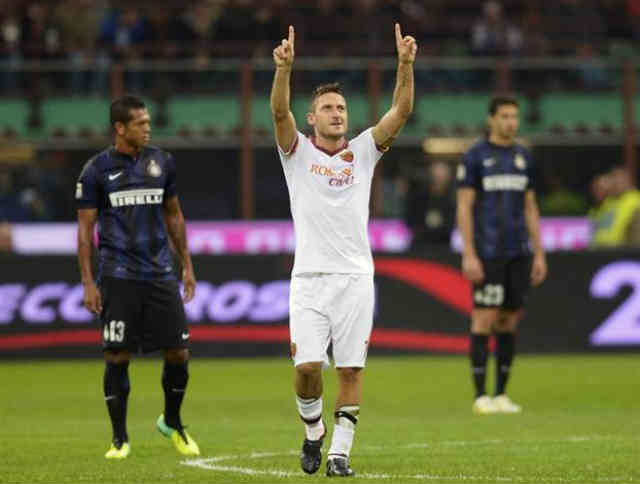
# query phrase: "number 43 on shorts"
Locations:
[[490, 295], [114, 331]]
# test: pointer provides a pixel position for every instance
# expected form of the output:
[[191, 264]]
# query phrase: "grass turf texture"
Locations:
[[581, 423]]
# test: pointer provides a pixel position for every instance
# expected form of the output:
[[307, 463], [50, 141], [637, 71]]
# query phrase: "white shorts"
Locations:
[[336, 308]]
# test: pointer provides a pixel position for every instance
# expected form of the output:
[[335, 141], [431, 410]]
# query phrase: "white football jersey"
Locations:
[[329, 195]]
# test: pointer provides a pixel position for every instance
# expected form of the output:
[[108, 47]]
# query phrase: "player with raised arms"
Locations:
[[332, 292]]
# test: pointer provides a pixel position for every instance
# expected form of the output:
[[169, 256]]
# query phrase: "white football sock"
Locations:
[[310, 409], [344, 431], [341, 441]]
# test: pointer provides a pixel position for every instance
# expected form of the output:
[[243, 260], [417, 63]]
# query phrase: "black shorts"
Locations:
[[142, 314], [505, 285]]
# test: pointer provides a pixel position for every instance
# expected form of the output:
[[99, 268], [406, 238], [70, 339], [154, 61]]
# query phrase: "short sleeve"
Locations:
[[467, 172], [171, 186], [365, 142], [284, 156], [376, 151], [87, 188]]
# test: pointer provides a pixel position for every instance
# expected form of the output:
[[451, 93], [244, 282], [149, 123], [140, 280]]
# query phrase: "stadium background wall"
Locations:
[[590, 303], [209, 178]]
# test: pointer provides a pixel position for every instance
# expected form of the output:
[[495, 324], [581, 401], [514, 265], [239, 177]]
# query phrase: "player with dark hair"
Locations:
[[332, 293], [130, 190], [499, 219]]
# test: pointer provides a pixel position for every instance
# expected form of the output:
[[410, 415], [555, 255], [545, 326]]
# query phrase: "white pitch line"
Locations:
[[425, 477], [210, 463]]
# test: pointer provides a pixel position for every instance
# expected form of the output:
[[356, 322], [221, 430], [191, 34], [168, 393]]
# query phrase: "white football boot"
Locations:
[[483, 406], [503, 404]]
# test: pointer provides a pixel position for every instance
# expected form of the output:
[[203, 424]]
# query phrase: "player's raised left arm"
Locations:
[[177, 232], [532, 218], [387, 129]]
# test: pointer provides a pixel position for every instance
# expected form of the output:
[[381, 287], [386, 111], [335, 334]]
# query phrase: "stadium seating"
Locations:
[[14, 114], [73, 114], [434, 114]]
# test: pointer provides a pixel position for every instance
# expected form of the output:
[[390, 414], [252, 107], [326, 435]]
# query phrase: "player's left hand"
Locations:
[[407, 47], [189, 283], [538, 269]]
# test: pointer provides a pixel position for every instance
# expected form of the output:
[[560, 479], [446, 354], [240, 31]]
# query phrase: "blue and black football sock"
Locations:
[[505, 351], [479, 355], [116, 394], [174, 382]]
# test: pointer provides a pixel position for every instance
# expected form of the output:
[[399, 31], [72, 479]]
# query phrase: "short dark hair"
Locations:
[[502, 100], [121, 109], [324, 89]]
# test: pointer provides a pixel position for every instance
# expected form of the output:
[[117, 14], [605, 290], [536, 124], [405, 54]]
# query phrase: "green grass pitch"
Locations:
[[581, 423]]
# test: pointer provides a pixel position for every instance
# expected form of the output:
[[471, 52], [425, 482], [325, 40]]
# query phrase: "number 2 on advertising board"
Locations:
[[623, 325]]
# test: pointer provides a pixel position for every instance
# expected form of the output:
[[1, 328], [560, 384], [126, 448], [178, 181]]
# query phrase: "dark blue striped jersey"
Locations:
[[500, 176], [129, 194]]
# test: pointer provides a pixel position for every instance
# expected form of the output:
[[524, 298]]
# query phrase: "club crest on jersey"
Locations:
[[153, 169], [347, 156], [488, 162], [520, 162]]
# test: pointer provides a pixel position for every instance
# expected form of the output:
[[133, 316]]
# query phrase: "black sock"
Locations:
[[479, 355], [116, 394], [174, 383], [505, 349]]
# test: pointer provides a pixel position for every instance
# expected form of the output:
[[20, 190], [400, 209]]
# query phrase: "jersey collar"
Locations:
[[123, 156], [312, 138]]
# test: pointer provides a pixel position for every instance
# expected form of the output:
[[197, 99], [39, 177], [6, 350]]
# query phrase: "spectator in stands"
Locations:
[[395, 186], [533, 30], [48, 180], [336, 21], [492, 34], [431, 207], [197, 24], [375, 15], [19, 204], [249, 24], [10, 44], [617, 220], [601, 188], [573, 22], [41, 40], [79, 21], [560, 200], [124, 33], [41, 37], [590, 74]]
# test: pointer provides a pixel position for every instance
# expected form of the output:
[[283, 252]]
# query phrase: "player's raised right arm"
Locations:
[[283, 120]]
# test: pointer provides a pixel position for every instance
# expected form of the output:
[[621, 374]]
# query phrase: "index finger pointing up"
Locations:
[[292, 35], [398, 33]]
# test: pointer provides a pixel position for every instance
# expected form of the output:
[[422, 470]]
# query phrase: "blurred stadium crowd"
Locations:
[[91, 36], [101, 30]]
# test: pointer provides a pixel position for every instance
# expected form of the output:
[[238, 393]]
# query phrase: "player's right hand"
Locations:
[[472, 268], [92, 298], [283, 54]]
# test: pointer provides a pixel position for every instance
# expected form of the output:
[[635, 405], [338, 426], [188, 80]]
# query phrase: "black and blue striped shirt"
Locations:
[[129, 194], [500, 176]]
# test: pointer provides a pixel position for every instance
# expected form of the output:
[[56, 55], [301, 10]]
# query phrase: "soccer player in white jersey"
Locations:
[[332, 293]]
